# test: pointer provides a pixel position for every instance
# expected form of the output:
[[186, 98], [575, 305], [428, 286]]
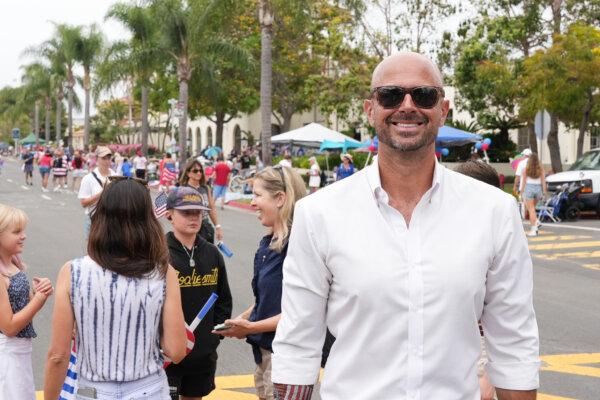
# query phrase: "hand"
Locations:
[[219, 232], [42, 286], [240, 328], [486, 388]]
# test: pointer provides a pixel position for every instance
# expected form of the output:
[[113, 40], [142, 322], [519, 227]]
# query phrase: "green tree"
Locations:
[[37, 88], [138, 58], [186, 37], [87, 51], [564, 79]]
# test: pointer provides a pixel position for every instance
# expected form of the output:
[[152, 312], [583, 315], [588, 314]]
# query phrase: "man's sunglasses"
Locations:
[[422, 96]]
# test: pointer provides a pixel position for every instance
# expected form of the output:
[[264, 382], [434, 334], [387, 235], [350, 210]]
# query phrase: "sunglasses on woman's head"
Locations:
[[118, 178], [422, 96]]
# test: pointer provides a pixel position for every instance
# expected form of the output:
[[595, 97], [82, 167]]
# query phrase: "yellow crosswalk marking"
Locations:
[[592, 266], [572, 364], [542, 396], [558, 246], [557, 238], [578, 254]]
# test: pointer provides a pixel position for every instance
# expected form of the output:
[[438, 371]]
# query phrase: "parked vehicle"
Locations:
[[585, 172]]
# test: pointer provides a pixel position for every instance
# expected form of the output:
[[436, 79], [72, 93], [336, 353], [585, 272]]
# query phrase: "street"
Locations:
[[566, 261]]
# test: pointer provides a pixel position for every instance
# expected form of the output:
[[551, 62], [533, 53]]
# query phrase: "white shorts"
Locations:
[[16, 373]]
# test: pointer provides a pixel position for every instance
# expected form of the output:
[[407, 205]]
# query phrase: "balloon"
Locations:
[[478, 145], [372, 148], [438, 154], [487, 141], [485, 146], [445, 152], [376, 141]]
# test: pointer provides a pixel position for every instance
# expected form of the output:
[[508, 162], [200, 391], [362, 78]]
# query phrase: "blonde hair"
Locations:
[[11, 218], [533, 169], [294, 189]]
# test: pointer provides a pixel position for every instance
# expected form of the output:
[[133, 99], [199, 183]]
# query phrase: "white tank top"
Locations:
[[117, 322]]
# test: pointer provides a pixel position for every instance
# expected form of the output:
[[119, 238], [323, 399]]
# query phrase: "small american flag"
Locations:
[[169, 175], [189, 329], [70, 385], [160, 205]]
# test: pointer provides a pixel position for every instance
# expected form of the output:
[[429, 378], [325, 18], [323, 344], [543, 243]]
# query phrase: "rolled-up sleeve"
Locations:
[[301, 331], [508, 319]]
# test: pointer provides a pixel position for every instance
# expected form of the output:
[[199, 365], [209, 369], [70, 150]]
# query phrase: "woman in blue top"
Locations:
[[346, 168], [276, 191]]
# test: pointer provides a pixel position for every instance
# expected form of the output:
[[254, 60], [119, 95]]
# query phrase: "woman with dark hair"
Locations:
[[124, 300], [193, 176]]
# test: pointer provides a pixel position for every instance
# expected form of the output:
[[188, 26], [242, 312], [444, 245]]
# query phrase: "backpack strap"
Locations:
[[97, 179]]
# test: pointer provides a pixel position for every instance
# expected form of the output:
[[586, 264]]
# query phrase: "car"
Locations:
[[585, 172]]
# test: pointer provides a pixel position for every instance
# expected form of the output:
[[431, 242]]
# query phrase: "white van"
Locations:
[[585, 171]]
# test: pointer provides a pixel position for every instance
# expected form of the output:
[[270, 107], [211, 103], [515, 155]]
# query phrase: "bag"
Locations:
[[323, 179]]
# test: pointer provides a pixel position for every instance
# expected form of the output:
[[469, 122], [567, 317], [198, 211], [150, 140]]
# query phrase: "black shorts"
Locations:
[[197, 384], [140, 173]]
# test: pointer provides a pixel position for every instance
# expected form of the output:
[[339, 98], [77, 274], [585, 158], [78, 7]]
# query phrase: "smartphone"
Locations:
[[221, 327]]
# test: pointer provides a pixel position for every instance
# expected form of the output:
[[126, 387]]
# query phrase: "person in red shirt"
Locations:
[[222, 172], [45, 165]]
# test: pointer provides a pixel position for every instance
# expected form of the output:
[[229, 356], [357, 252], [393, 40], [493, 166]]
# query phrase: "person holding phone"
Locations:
[[276, 191]]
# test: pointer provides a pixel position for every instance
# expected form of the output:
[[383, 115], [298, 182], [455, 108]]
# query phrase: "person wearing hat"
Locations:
[[520, 169], [93, 183], [346, 168], [201, 272]]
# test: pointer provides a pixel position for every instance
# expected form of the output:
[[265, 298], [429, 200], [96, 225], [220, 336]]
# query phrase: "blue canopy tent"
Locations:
[[344, 146], [448, 137]]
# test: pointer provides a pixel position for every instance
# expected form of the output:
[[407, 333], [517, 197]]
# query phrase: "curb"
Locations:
[[241, 206]]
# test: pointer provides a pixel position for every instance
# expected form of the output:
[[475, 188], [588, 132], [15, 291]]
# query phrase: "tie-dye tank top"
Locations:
[[117, 320]]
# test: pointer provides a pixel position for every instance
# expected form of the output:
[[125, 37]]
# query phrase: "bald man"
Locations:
[[400, 261]]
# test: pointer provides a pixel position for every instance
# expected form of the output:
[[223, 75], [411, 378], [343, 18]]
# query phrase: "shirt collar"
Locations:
[[380, 194]]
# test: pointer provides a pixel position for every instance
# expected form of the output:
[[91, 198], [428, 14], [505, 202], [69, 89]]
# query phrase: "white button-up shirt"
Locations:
[[404, 302]]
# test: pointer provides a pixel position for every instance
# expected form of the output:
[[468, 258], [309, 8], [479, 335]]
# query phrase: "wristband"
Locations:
[[217, 226]]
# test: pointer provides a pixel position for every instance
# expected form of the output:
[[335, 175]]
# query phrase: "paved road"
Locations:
[[566, 283]]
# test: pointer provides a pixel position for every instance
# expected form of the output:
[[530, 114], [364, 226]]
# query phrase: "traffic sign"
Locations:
[[542, 124]]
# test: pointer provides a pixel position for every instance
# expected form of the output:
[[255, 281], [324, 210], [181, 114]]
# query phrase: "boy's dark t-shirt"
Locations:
[[196, 285]]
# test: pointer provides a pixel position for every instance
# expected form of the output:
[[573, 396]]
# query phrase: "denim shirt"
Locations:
[[266, 285]]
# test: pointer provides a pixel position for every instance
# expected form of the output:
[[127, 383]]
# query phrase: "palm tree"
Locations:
[[265, 15], [38, 86], [187, 36], [88, 48], [66, 41], [139, 57]]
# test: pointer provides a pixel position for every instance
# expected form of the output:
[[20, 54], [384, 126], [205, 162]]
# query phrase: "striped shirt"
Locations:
[[117, 321]]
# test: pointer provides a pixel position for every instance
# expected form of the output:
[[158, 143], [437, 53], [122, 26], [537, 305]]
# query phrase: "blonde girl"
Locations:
[[276, 191], [18, 306]]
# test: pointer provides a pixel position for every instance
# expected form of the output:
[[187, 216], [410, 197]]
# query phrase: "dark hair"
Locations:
[[479, 170], [183, 179], [125, 236], [168, 155]]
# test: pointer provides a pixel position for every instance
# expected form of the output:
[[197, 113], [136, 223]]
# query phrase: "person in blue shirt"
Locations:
[[276, 191], [126, 168], [346, 168]]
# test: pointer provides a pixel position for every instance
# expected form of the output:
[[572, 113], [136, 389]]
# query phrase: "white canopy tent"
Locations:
[[311, 135]]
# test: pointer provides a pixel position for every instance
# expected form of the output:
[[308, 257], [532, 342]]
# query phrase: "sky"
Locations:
[[26, 23]]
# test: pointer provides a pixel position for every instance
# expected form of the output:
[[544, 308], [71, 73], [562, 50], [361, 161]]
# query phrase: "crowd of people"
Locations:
[[401, 321]]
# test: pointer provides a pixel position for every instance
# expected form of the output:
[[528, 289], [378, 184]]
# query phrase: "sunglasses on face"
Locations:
[[422, 96], [195, 170]]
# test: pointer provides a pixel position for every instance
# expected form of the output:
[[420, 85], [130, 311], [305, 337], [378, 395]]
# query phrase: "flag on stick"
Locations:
[[70, 385], [189, 329], [160, 205]]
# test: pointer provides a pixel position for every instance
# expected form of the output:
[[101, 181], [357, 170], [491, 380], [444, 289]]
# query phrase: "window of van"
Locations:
[[589, 161]]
